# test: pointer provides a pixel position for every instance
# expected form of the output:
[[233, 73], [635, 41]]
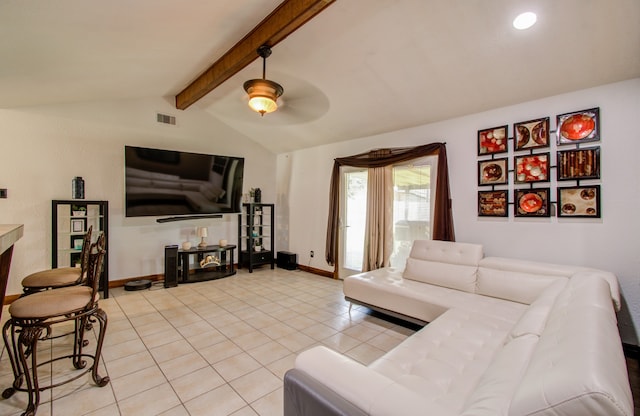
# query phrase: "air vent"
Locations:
[[166, 119]]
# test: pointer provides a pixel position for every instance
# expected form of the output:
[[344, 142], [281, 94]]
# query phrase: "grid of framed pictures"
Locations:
[[531, 167]]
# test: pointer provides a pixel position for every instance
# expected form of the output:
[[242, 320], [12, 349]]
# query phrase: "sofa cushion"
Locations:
[[387, 289], [518, 280], [447, 252], [453, 276], [444, 263], [534, 319], [578, 367], [444, 361], [366, 389], [492, 396]]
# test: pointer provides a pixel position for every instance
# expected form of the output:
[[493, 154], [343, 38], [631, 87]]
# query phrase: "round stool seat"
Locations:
[[64, 276], [51, 303]]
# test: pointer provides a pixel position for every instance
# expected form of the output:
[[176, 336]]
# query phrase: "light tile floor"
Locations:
[[211, 348]]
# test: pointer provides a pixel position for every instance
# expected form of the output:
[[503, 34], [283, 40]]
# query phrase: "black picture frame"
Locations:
[[574, 164], [579, 201], [531, 168], [532, 202], [77, 225], [493, 172], [578, 127], [493, 140], [493, 203], [531, 134], [77, 243]]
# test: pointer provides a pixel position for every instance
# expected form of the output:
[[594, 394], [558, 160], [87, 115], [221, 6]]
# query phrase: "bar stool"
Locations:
[[32, 320], [60, 277]]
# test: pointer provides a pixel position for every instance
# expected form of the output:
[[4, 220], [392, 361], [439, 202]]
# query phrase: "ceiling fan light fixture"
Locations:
[[263, 93]]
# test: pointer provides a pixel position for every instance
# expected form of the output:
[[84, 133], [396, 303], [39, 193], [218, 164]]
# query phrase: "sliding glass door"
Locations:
[[411, 209], [412, 212], [354, 196]]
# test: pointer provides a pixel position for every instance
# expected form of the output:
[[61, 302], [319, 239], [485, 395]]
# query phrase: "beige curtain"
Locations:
[[443, 218], [378, 240]]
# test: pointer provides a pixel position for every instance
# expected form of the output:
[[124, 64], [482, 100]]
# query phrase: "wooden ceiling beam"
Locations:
[[284, 20]]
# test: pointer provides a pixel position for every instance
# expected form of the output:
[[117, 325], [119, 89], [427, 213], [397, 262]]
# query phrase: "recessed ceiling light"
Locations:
[[525, 20]]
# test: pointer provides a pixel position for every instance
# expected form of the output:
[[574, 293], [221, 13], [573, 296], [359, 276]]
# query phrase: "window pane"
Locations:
[[411, 209], [355, 219]]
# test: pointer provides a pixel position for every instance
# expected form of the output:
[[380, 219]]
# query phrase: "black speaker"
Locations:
[[287, 260], [170, 266]]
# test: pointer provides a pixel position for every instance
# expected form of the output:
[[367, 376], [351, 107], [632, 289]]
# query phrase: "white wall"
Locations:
[[610, 243], [43, 148]]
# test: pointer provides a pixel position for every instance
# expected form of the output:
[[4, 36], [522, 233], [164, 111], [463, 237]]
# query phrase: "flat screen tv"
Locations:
[[165, 182]]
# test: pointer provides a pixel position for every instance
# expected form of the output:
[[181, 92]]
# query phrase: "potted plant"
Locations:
[[78, 210]]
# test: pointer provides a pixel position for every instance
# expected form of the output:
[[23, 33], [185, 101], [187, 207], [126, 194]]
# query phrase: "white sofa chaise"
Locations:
[[506, 337]]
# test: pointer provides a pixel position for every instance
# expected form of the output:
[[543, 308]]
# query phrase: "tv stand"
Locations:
[[189, 273]]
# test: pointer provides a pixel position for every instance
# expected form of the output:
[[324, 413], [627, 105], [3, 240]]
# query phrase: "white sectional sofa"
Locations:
[[505, 337]]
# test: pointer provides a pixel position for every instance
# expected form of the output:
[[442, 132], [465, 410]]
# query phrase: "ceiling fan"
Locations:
[[284, 20], [302, 102]]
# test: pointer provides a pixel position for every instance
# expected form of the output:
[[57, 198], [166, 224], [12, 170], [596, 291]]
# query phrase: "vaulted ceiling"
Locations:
[[360, 67]]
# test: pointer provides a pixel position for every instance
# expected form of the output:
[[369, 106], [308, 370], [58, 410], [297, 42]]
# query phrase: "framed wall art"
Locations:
[[493, 140], [579, 201], [77, 243], [531, 134], [532, 168], [493, 203], [579, 164], [493, 172], [531, 202], [77, 226], [578, 127]]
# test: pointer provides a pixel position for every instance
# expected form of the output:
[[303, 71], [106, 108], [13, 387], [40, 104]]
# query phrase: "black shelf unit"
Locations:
[[256, 235], [70, 219], [189, 273]]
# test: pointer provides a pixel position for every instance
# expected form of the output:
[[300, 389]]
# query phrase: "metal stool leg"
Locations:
[[27, 346], [101, 317]]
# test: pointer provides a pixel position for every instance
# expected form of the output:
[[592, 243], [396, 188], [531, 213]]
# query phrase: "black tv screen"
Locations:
[[165, 182]]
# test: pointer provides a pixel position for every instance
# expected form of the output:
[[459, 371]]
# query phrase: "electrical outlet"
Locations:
[[311, 254], [3, 193]]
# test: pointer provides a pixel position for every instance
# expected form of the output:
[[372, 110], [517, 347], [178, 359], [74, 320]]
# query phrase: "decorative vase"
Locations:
[[77, 188], [222, 243], [186, 245]]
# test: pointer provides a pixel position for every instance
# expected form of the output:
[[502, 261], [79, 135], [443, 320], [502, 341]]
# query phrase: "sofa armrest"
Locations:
[[610, 278], [306, 396], [371, 392]]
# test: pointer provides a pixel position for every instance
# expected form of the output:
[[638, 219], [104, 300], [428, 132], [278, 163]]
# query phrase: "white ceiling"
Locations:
[[359, 68]]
